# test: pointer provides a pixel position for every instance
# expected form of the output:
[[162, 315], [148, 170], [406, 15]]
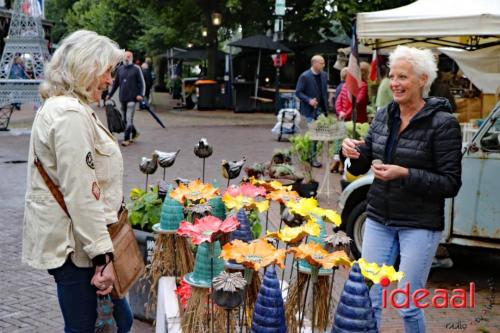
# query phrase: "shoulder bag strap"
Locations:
[[56, 193]]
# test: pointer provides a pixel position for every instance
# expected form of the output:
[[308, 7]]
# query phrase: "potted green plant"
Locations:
[[302, 149], [144, 209], [144, 212]]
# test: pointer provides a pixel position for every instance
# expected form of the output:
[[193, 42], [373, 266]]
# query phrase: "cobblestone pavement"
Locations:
[[28, 297]]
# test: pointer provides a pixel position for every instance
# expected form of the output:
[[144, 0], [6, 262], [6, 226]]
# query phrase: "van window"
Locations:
[[491, 140]]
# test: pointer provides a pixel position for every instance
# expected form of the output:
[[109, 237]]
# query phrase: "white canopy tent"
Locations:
[[454, 23], [482, 67]]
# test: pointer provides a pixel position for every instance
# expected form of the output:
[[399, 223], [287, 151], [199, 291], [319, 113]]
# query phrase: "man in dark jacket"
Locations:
[[312, 90], [132, 88], [148, 79]]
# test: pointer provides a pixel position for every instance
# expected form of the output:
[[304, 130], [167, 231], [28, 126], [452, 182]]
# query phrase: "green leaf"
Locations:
[[135, 218], [154, 215], [144, 220], [256, 230]]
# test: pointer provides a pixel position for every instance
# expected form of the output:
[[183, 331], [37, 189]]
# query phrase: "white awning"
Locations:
[[433, 22], [482, 67]]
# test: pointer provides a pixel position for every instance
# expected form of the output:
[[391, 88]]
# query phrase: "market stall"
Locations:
[[468, 32]]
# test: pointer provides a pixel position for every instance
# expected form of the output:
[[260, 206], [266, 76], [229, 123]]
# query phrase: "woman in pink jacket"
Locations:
[[343, 104]]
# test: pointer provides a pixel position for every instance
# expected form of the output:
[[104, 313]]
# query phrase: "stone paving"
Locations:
[[28, 297]]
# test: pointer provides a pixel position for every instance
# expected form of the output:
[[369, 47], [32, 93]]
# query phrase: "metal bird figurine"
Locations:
[[232, 169], [149, 166], [203, 150], [166, 160]]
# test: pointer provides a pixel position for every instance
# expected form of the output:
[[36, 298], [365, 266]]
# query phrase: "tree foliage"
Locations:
[[152, 26]]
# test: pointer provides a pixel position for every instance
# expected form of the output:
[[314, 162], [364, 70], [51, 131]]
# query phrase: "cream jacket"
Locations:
[[84, 160]]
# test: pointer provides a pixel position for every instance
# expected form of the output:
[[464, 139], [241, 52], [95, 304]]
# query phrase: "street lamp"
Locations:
[[216, 19], [190, 45], [204, 32]]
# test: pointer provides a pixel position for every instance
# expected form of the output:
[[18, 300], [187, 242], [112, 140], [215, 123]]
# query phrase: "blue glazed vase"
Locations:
[[354, 312], [201, 274], [172, 213], [269, 311], [244, 232], [218, 208]]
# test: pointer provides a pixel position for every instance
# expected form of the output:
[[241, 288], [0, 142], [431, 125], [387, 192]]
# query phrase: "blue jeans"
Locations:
[[128, 112], [78, 300], [416, 247]]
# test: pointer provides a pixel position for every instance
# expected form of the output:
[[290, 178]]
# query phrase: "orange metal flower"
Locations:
[[282, 195], [319, 257], [254, 255], [195, 192], [269, 186]]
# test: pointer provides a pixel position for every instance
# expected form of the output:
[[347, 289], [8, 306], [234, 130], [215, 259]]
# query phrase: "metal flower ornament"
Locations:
[[375, 273], [207, 229], [308, 208], [254, 255], [247, 203], [193, 193], [319, 257], [295, 234]]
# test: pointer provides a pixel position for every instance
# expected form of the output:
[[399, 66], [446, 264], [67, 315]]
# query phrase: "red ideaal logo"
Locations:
[[440, 298]]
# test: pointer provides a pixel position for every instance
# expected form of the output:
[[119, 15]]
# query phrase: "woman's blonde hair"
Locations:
[[422, 61], [81, 58]]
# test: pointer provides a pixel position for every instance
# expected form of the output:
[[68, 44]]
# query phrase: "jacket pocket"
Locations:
[[102, 161]]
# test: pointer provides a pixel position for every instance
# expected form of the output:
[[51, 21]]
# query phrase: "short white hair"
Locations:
[[81, 58], [422, 61]]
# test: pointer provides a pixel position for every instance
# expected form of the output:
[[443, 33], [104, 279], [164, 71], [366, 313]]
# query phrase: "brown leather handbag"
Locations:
[[128, 262]]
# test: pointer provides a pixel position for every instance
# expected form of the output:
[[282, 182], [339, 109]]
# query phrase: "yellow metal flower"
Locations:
[[238, 202], [331, 216], [319, 257], [376, 273], [308, 208], [303, 207], [273, 185], [254, 255], [295, 235], [195, 192]]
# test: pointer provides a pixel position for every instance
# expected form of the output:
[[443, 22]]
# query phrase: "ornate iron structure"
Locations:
[[26, 38]]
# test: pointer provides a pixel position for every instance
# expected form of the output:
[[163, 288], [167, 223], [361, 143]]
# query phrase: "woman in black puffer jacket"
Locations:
[[413, 148]]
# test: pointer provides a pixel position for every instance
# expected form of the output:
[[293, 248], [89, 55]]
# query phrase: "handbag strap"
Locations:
[[56, 193]]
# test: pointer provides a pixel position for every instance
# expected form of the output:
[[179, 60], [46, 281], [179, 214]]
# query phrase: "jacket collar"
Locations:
[[431, 106]]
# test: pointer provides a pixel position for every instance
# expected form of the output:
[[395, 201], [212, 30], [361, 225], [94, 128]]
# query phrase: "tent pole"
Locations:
[[231, 77], [258, 73]]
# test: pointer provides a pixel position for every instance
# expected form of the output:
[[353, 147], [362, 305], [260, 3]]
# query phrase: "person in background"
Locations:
[[79, 155], [343, 104], [149, 61], [312, 91], [441, 88], [337, 165], [132, 88], [413, 148], [338, 89], [384, 93], [148, 79], [18, 71]]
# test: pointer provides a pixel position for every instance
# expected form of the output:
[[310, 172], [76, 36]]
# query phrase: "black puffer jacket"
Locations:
[[430, 147]]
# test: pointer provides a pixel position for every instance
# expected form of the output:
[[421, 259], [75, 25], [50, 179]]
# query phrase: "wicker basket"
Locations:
[[319, 132]]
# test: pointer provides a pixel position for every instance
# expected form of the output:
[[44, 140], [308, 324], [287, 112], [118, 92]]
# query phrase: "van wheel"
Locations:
[[356, 226]]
